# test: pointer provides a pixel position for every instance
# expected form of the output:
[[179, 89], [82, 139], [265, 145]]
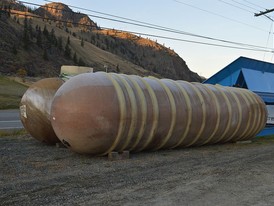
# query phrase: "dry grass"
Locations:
[[11, 93], [14, 132]]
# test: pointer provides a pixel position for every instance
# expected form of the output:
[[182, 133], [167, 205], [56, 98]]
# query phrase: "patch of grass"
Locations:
[[267, 137], [14, 132], [11, 93], [264, 139]]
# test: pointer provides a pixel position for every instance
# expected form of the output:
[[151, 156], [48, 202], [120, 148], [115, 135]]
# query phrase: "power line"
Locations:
[[235, 6], [111, 15], [219, 15], [199, 42], [251, 3], [153, 26], [243, 8], [256, 9], [268, 18], [152, 35], [245, 5], [271, 28]]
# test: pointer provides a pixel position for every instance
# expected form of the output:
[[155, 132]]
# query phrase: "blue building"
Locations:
[[255, 75]]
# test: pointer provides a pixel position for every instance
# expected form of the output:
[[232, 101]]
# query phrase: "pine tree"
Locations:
[[14, 50], [9, 11], [117, 68], [60, 43], [45, 55], [39, 38], [30, 30], [92, 39], [25, 23], [107, 43], [75, 58], [53, 39], [5, 9], [67, 51], [81, 62], [45, 31], [26, 38]]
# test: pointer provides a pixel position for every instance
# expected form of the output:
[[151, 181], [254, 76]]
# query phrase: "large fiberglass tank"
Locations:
[[103, 112]]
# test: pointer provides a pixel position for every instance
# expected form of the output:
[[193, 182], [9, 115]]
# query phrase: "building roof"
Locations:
[[255, 75]]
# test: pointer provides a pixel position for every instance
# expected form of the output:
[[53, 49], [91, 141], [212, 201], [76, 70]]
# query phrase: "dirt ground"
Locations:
[[32, 173]]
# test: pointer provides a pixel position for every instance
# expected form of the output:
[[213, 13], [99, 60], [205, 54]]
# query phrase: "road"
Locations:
[[10, 119]]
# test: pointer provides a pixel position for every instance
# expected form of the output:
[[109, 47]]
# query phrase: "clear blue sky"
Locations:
[[231, 20]]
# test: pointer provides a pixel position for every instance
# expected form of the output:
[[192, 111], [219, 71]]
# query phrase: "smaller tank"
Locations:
[[35, 109]]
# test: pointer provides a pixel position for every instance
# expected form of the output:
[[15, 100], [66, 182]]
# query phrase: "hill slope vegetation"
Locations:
[[40, 41]]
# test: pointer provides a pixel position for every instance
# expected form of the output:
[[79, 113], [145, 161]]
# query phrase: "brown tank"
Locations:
[[100, 112], [35, 109]]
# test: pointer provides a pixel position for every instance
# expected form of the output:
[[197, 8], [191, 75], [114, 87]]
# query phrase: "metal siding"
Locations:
[[230, 80], [259, 81], [267, 97], [266, 132], [242, 62]]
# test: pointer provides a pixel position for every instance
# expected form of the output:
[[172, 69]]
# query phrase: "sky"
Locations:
[[228, 20]]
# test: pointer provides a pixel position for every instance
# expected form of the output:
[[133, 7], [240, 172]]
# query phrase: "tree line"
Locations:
[[47, 40]]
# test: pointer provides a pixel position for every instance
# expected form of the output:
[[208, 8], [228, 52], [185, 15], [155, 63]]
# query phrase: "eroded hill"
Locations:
[[42, 40]]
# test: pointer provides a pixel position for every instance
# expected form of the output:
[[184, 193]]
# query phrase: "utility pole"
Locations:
[[264, 12]]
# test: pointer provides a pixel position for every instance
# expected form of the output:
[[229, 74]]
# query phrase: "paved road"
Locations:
[[10, 119]]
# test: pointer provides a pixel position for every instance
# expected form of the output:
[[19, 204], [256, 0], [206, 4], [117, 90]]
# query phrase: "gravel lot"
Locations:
[[232, 174]]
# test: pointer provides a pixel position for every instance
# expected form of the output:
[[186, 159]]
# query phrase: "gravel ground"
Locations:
[[32, 173]]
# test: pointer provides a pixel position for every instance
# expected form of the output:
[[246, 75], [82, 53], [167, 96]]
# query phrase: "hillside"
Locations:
[[62, 13], [40, 41], [11, 93], [148, 54]]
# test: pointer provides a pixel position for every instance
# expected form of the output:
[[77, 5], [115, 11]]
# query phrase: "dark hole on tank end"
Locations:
[[65, 143]]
